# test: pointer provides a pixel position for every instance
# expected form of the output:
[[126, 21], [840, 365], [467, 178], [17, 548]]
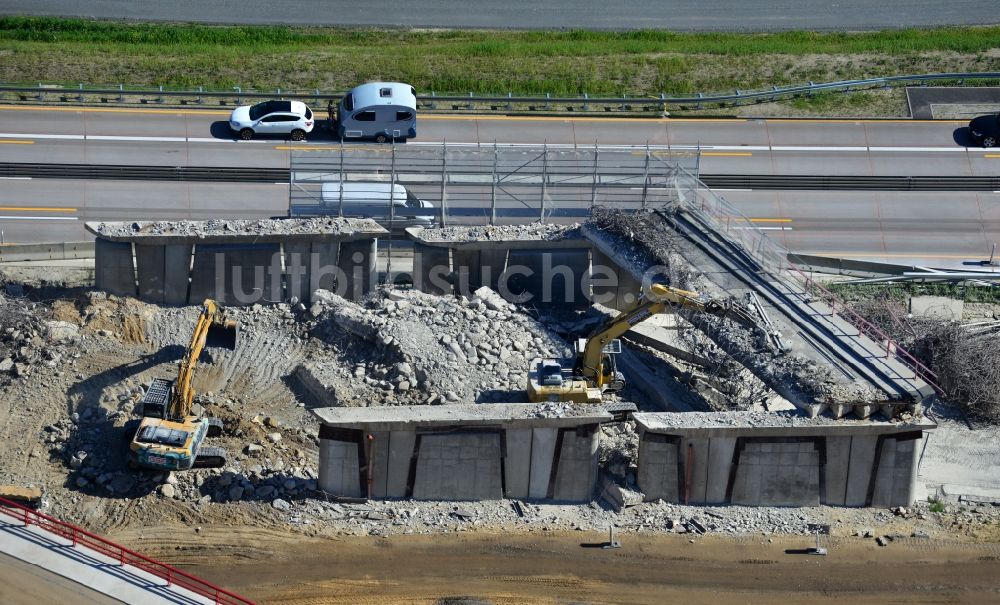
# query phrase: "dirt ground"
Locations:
[[566, 567]]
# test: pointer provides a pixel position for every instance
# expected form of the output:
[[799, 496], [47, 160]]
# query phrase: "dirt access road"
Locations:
[[549, 568]]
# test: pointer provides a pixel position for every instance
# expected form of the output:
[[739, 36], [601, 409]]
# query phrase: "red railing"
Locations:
[[124, 556]]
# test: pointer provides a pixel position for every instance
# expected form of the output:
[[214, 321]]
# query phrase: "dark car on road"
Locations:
[[985, 130]]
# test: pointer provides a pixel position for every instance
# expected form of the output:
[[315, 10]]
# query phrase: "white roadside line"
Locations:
[[15, 178], [679, 148]]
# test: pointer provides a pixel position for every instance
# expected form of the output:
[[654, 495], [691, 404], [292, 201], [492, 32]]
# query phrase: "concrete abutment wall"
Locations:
[[237, 268], [510, 455], [844, 463]]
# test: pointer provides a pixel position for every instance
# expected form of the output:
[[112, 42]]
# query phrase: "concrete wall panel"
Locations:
[[777, 473], [323, 266], [551, 277], [658, 471], [297, 271], [576, 474], [720, 462], [838, 456], [114, 271], [697, 469], [894, 479], [543, 447], [400, 455], [357, 262], [149, 268], [517, 464], [458, 466], [466, 270], [859, 471], [491, 266], [430, 265], [339, 470], [380, 464], [176, 273], [236, 274]]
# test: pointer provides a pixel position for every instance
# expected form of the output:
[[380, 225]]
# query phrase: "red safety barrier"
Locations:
[[125, 556]]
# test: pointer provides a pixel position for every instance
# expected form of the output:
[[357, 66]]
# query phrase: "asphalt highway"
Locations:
[[936, 228], [677, 15]]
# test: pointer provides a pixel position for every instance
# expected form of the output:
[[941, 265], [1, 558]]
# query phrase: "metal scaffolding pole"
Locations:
[[545, 178], [392, 213], [593, 187], [340, 210], [444, 182], [493, 187], [645, 178]]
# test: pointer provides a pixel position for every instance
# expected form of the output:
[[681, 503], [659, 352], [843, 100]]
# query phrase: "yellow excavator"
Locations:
[[170, 437], [594, 373]]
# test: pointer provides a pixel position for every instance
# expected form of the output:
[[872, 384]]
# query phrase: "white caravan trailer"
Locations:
[[378, 110]]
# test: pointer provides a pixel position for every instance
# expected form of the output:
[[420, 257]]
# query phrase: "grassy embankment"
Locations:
[[561, 63]]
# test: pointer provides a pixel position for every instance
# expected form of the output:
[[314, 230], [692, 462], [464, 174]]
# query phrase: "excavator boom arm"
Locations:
[[211, 317], [656, 300]]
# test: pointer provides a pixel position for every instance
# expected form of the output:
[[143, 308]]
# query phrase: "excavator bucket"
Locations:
[[221, 335]]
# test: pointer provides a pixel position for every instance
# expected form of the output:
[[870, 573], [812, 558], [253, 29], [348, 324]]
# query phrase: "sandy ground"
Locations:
[[564, 567]]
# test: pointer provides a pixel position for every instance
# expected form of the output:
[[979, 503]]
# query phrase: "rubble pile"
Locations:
[[26, 339], [278, 226], [531, 231], [415, 348]]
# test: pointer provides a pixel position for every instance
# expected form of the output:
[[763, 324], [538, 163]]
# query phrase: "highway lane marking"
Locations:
[[324, 148], [710, 150], [992, 155], [39, 218], [200, 112], [35, 209], [970, 256], [464, 117], [15, 142], [770, 220]]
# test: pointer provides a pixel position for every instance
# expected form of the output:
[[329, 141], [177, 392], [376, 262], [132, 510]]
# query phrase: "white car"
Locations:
[[272, 117]]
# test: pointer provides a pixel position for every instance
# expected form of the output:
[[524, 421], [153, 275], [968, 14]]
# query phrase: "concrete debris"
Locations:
[[532, 231], [411, 348], [232, 227]]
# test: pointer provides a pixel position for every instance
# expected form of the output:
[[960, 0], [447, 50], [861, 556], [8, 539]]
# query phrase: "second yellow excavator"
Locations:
[[170, 437], [594, 373]]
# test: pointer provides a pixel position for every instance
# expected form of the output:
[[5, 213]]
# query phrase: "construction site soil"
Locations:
[[489, 567], [73, 366]]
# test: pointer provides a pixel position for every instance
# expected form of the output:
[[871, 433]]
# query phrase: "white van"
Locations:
[[371, 200]]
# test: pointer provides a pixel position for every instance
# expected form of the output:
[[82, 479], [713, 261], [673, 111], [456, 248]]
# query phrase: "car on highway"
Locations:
[[985, 130], [272, 117]]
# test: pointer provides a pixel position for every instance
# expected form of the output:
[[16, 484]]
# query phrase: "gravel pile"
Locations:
[[415, 348], [308, 226], [532, 231], [27, 340]]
